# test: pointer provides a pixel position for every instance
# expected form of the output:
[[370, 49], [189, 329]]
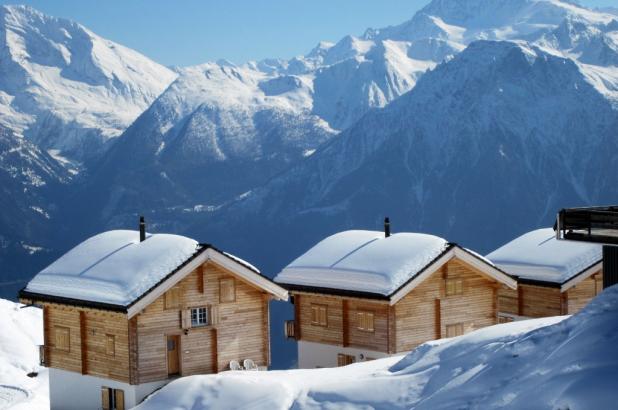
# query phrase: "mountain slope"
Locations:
[[32, 184], [549, 363], [485, 147], [67, 89]]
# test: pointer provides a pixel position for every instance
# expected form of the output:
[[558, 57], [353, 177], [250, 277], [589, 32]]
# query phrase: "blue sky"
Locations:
[[194, 31]]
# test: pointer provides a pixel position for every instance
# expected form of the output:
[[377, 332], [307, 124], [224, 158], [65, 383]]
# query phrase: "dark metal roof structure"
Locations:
[[597, 224]]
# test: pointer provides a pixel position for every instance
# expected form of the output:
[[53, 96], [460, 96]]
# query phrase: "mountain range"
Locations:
[[475, 120]]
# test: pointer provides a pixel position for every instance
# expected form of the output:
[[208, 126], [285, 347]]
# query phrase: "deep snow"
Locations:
[[550, 363], [21, 331], [363, 261], [113, 267], [539, 255]]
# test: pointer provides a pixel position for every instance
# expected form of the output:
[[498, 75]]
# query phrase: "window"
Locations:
[[63, 338], [453, 330], [110, 345], [345, 359], [199, 317], [172, 298], [227, 290], [365, 321], [112, 399], [454, 287], [504, 319], [319, 315]]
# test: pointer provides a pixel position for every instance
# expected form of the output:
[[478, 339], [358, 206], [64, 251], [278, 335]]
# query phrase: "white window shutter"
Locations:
[[186, 318]]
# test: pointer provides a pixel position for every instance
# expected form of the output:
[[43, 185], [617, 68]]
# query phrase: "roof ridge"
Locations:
[[353, 251]]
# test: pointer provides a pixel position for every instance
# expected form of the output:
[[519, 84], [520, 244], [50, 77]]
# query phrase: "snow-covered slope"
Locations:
[[21, 333], [32, 184], [503, 130], [67, 89], [550, 363]]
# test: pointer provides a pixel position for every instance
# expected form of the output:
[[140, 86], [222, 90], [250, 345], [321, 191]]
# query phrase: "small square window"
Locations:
[[454, 287], [172, 298], [227, 290], [199, 317], [63, 338], [319, 315], [365, 321]]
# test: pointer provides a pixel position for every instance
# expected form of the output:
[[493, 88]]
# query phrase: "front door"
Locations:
[[173, 351]]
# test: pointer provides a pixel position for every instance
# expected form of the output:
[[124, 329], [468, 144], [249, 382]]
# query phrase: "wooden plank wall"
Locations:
[[540, 301], [579, 295], [415, 319], [239, 333], [508, 300], [330, 334], [376, 340], [475, 308], [88, 330]]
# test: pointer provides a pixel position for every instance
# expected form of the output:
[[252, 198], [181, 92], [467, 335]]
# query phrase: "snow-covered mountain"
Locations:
[[32, 183], [221, 130], [549, 363], [485, 147], [67, 89]]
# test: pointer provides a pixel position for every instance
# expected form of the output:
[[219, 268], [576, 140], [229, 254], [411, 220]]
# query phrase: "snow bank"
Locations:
[[549, 363], [21, 331], [539, 255], [363, 261], [113, 267]]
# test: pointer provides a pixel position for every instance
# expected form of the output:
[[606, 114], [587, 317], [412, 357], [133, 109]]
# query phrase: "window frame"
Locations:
[[110, 352], [202, 316], [459, 325], [458, 286], [57, 330], [362, 321], [168, 295], [319, 309], [222, 282]]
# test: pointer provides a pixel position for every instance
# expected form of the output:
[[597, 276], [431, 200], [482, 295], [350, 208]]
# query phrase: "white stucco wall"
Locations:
[[312, 355], [74, 391]]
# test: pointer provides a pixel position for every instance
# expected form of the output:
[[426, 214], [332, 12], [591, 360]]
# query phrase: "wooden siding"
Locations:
[[139, 351], [237, 335], [332, 333], [88, 335], [420, 311], [579, 295], [421, 315]]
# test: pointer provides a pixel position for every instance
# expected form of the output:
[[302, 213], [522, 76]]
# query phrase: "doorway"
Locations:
[[173, 355]]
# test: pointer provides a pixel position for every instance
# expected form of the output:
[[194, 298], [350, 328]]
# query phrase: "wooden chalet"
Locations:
[[362, 295], [554, 277], [125, 312]]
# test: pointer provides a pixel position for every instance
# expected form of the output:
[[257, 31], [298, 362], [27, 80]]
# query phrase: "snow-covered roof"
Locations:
[[538, 255], [113, 267], [363, 261]]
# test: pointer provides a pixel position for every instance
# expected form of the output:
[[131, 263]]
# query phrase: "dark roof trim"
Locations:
[[548, 284], [446, 250], [39, 297], [334, 292]]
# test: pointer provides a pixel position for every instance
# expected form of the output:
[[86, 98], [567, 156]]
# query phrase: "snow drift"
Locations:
[[21, 330], [549, 363]]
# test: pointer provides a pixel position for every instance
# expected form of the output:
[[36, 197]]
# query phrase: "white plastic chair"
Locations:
[[250, 365], [234, 365]]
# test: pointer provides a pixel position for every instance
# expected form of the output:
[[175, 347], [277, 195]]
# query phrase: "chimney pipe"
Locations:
[[142, 229], [387, 227]]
